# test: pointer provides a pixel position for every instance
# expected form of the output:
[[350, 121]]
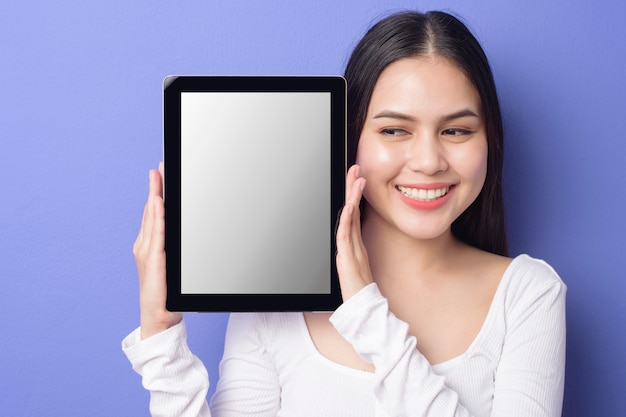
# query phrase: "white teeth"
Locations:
[[422, 194]]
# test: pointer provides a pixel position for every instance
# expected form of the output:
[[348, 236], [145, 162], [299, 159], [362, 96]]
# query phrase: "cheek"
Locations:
[[483, 162], [376, 164], [372, 155], [476, 164]]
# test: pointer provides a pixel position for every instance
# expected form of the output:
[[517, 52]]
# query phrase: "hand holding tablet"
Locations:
[[255, 171]]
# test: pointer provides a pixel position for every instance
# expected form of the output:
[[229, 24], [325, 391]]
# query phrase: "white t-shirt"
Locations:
[[514, 367]]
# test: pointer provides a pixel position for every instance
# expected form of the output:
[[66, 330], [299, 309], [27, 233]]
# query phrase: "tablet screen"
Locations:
[[254, 173]]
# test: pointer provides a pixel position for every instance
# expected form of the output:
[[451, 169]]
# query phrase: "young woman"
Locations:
[[436, 320]]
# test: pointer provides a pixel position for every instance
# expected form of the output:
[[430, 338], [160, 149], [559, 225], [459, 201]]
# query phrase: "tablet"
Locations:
[[254, 178]]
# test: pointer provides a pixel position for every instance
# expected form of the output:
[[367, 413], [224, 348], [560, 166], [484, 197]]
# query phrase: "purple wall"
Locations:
[[80, 123]]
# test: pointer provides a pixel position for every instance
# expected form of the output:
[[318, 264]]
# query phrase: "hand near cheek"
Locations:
[[352, 263]]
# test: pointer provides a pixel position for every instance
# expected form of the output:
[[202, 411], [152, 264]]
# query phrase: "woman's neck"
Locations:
[[394, 255]]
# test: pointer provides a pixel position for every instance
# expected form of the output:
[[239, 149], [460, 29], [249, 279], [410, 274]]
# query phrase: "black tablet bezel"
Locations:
[[173, 86]]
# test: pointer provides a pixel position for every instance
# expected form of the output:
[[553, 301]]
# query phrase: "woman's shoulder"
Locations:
[[528, 279], [519, 279], [535, 271], [522, 269]]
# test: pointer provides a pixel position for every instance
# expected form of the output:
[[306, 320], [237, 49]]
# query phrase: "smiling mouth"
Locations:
[[421, 194]]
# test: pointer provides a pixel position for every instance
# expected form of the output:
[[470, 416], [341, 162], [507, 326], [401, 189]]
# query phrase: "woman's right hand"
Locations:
[[149, 251], [352, 262]]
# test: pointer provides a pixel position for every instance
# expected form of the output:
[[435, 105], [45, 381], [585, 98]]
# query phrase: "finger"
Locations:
[[358, 251], [355, 200], [140, 234], [349, 246], [149, 219], [343, 230], [144, 216], [337, 221], [349, 266], [158, 182], [358, 248], [356, 192], [351, 176], [157, 238], [162, 172]]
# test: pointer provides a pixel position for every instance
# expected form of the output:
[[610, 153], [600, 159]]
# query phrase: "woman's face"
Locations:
[[423, 148]]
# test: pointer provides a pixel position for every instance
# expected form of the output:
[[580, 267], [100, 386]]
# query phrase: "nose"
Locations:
[[425, 154]]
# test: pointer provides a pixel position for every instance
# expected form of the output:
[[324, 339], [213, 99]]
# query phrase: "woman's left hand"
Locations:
[[352, 262]]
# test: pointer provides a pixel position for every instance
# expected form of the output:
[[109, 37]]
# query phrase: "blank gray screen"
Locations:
[[255, 193]]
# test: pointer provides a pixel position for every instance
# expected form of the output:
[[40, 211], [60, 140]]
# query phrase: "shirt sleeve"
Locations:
[[401, 370], [528, 380], [531, 374], [177, 380]]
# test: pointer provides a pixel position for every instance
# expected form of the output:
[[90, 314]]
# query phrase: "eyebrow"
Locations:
[[402, 116]]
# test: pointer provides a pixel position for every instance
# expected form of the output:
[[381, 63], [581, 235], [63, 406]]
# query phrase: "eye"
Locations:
[[393, 132], [455, 132]]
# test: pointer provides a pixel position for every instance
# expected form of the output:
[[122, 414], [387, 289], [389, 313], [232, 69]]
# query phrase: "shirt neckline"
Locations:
[[485, 327]]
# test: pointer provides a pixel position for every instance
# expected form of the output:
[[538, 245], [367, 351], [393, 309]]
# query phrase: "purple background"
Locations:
[[80, 125]]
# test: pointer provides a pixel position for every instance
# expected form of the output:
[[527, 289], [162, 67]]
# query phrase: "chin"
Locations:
[[421, 229], [427, 233]]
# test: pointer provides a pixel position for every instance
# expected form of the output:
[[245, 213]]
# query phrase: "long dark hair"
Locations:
[[412, 34]]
